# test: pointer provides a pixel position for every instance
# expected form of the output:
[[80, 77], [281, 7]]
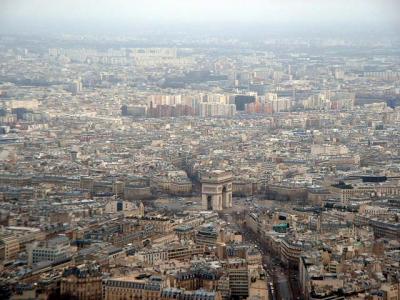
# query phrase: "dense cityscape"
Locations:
[[199, 168]]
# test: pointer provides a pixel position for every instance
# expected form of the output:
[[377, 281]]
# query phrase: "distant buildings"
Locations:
[[268, 104], [213, 168]]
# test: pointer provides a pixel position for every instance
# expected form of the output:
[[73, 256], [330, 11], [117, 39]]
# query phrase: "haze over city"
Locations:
[[124, 16], [200, 150]]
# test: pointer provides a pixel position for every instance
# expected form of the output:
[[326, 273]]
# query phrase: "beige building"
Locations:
[[129, 209], [161, 225], [132, 287], [179, 252], [173, 185], [21, 103], [9, 247], [391, 291], [290, 252], [179, 294], [82, 282]]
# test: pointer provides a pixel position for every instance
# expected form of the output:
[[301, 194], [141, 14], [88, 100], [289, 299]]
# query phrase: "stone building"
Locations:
[[216, 190], [82, 282]]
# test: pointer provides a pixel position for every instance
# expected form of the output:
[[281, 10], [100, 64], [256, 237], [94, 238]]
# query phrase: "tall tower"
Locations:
[[216, 190]]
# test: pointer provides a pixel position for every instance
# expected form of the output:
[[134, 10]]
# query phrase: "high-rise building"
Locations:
[[239, 280]]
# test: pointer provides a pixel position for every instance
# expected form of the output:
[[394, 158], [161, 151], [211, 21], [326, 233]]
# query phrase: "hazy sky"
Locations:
[[21, 15]]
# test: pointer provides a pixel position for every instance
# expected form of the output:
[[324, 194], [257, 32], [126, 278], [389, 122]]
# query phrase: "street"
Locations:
[[280, 288]]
